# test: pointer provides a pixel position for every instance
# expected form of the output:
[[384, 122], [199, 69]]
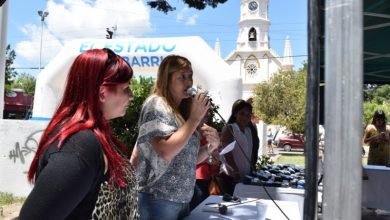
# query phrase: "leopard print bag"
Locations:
[[115, 203]]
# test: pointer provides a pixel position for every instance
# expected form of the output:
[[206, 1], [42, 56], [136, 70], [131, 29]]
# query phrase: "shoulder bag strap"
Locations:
[[239, 146]]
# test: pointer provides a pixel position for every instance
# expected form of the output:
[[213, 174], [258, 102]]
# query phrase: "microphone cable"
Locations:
[[249, 201], [280, 209], [266, 191]]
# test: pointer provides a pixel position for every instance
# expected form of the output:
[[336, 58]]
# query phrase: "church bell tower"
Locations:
[[253, 59], [254, 26]]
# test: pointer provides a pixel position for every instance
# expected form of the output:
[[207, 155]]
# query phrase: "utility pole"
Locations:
[[43, 15], [3, 40]]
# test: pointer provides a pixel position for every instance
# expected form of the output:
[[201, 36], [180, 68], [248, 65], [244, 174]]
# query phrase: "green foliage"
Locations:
[[297, 159], [126, 128], [25, 82], [263, 161], [216, 121], [8, 198], [376, 93], [10, 72], [375, 97], [369, 109], [164, 6], [282, 100]]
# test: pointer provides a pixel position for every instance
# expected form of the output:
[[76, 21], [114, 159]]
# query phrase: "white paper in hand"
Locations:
[[228, 148]]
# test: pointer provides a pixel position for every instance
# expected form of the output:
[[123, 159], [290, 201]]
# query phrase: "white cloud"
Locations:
[[183, 16], [72, 19], [30, 49], [192, 20]]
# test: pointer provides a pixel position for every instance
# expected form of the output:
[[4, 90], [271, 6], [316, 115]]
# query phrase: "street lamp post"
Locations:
[[43, 15]]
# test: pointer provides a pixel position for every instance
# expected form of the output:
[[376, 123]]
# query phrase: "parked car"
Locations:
[[17, 105], [292, 142]]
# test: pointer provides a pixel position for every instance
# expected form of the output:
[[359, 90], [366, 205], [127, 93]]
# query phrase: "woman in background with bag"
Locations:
[[242, 159]]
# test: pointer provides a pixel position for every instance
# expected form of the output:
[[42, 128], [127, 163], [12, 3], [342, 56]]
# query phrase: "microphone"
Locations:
[[191, 91], [216, 207]]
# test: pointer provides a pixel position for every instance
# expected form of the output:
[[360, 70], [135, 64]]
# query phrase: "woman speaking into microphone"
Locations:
[[168, 142]]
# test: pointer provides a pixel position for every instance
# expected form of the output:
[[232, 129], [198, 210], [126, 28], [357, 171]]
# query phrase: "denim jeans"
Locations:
[[201, 192], [157, 209]]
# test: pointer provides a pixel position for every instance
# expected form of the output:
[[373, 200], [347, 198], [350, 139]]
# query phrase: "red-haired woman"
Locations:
[[79, 169]]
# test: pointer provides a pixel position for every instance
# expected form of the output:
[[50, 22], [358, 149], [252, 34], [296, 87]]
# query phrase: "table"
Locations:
[[277, 193], [246, 210], [376, 188]]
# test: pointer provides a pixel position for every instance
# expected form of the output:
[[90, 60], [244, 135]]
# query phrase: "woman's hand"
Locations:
[[379, 138], [211, 135], [200, 105]]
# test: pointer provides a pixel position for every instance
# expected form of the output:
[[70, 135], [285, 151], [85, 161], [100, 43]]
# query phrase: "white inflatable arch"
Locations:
[[144, 55]]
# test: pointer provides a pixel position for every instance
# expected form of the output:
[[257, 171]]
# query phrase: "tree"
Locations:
[[164, 6], [375, 97], [282, 100], [10, 72], [369, 109], [216, 120], [26, 82], [126, 128]]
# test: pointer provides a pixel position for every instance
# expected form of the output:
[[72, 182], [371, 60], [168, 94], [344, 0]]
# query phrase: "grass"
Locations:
[[8, 198], [298, 160]]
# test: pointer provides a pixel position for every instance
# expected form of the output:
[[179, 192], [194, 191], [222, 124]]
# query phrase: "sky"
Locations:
[[74, 19]]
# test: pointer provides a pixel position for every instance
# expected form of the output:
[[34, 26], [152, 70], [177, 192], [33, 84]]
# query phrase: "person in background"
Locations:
[[79, 166], [168, 142], [376, 135], [255, 134], [270, 137], [240, 160]]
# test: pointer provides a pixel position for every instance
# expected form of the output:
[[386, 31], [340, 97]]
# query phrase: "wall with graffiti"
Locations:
[[19, 141]]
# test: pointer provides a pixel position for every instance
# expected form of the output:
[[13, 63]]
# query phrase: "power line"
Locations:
[[265, 58], [255, 58], [27, 68]]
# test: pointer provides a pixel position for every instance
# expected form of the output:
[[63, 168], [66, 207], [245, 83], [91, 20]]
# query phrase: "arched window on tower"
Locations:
[[252, 34]]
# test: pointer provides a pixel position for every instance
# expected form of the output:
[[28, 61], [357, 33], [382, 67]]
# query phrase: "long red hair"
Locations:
[[80, 108]]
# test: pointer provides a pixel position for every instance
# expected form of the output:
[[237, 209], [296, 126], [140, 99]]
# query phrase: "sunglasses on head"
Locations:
[[111, 57]]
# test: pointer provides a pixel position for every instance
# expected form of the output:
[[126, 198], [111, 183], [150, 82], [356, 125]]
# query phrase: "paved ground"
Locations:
[[8, 212]]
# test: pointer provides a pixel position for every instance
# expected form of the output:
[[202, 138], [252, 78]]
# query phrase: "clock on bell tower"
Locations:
[[252, 5]]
